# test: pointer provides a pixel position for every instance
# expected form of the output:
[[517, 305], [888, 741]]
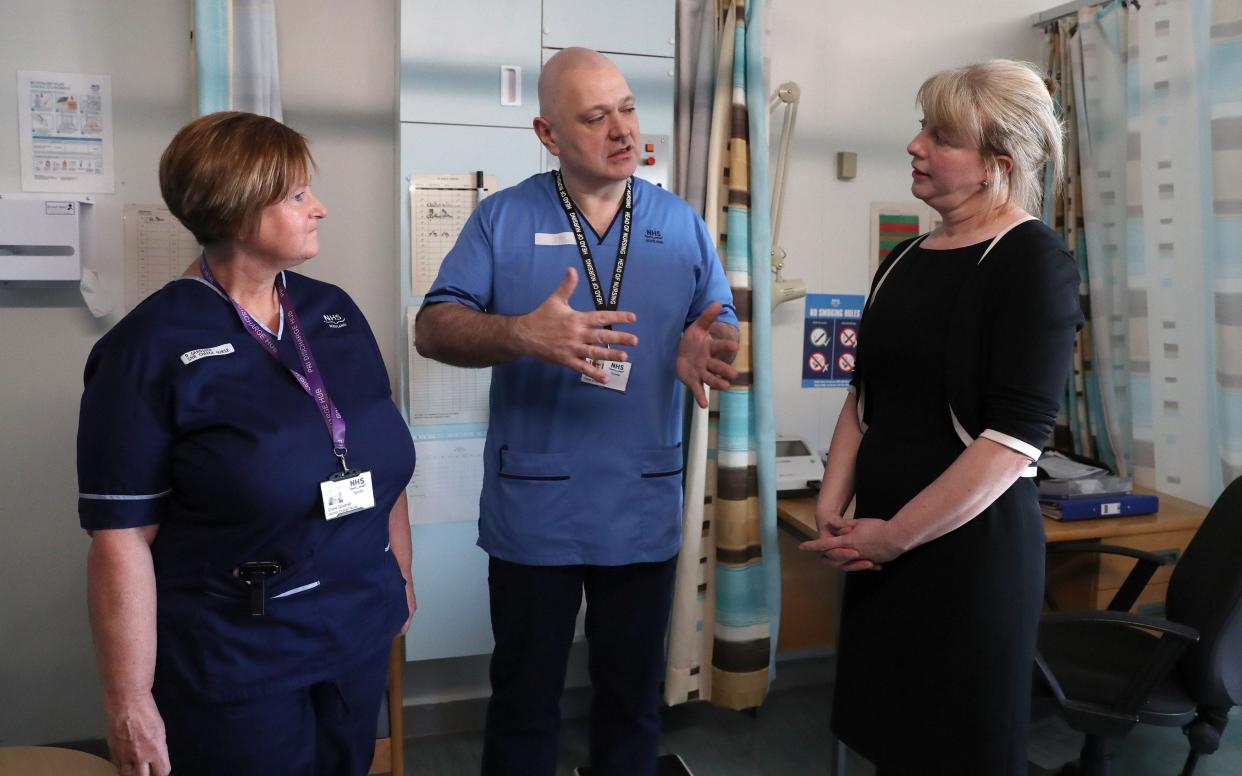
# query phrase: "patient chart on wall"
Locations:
[[439, 207], [157, 249], [440, 394], [447, 480], [447, 405]]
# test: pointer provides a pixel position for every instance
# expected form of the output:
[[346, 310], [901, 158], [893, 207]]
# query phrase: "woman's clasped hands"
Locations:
[[854, 544]]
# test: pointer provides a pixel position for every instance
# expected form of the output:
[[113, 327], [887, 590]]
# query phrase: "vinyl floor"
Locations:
[[789, 737]]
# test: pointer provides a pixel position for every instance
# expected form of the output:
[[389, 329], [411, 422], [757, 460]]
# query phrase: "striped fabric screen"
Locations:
[[235, 57], [726, 610], [1092, 391], [1160, 143]]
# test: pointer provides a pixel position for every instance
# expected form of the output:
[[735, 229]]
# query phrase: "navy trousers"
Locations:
[[533, 614], [325, 729]]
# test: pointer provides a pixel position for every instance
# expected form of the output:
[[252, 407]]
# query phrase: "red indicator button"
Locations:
[[650, 147], [650, 160]]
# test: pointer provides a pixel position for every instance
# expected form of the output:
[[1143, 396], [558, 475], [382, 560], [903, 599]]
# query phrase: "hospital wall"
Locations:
[[859, 65]]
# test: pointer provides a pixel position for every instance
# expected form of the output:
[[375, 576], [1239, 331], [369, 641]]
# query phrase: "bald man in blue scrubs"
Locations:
[[582, 473]]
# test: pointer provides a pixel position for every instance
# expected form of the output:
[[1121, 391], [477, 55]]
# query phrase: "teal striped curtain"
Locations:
[[1098, 382], [235, 57], [727, 606]]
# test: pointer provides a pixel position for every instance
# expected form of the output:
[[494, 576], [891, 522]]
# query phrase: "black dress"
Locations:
[[936, 649]]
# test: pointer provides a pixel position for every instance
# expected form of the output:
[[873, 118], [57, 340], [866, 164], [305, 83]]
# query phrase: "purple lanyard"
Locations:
[[309, 378]]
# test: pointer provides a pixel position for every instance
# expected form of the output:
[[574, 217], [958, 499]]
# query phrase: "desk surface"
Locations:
[[1175, 515]]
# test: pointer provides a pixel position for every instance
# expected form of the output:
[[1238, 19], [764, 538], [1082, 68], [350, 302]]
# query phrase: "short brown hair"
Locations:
[[1002, 108], [221, 170]]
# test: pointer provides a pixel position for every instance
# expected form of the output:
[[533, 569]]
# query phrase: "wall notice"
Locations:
[[65, 129], [830, 339]]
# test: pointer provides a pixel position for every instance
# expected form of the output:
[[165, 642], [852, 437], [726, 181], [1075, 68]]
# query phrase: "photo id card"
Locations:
[[618, 375], [345, 493]]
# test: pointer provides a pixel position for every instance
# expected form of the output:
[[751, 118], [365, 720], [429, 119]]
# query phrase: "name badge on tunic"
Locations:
[[618, 375], [345, 493]]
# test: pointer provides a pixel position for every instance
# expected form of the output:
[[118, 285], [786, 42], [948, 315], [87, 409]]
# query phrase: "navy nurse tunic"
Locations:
[[186, 422]]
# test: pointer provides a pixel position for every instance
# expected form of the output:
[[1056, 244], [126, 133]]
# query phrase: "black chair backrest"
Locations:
[[1205, 592]]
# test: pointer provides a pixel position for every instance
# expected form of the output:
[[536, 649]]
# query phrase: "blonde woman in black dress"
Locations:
[[964, 353]]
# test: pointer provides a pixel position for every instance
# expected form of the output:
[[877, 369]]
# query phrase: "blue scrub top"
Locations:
[[576, 473], [188, 423]]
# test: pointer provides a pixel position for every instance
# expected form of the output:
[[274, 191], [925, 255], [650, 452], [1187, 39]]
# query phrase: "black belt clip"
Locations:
[[255, 574]]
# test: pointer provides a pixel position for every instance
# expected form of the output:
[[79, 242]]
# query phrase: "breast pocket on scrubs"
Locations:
[[535, 487], [291, 638]]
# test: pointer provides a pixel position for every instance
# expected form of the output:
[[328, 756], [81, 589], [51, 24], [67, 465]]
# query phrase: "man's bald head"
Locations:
[[587, 119], [567, 64]]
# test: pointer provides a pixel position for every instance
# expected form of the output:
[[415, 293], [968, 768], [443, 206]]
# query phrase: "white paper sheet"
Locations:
[[157, 249], [447, 480], [439, 207], [439, 393]]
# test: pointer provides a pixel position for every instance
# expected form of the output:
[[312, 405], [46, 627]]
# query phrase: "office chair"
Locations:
[[1110, 670]]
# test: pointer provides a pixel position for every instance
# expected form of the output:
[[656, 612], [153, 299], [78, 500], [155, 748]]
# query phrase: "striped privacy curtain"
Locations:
[[1159, 136], [726, 610], [1082, 426], [235, 57]]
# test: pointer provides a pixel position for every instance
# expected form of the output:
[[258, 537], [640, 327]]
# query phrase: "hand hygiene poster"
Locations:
[[65, 128], [830, 339]]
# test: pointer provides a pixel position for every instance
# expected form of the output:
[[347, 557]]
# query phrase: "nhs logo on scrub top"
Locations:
[[335, 321]]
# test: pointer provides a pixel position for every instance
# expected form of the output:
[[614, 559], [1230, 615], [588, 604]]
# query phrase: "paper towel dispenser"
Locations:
[[45, 236]]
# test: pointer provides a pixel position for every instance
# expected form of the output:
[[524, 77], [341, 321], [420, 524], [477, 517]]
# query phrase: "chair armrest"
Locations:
[[1107, 549], [1184, 632], [1145, 566], [1174, 640]]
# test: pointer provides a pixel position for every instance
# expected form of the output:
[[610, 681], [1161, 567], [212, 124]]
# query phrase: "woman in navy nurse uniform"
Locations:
[[242, 471], [964, 352]]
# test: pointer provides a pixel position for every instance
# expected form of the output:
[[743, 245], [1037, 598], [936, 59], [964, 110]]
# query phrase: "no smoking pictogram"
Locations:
[[846, 362], [817, 362], [848, 337]]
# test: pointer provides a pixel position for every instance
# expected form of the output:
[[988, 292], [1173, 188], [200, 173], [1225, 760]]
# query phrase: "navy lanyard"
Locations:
[[309, 377], [588, 263]]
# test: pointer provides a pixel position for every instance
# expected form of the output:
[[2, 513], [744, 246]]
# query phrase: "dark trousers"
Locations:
[[533, 614], [325, 729]]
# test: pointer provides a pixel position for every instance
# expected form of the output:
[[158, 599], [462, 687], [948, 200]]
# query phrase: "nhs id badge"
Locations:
[[345, 493], [618, 375]]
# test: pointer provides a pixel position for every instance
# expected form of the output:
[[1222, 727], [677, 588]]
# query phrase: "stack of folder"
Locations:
[[1077, 491]]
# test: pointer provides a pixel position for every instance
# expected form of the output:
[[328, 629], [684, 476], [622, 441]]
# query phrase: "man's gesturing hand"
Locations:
[[556, 333], [703, 358]]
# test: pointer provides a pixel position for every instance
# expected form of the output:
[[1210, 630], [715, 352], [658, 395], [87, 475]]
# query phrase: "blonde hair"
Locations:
[[1002, 108], [221, 170]]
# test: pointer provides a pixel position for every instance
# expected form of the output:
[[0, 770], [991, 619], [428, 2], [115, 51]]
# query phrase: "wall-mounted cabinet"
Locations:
[[646, 27], [470, 62]]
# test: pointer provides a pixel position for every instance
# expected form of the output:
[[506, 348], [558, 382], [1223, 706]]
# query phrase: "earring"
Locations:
[[984, 184]]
